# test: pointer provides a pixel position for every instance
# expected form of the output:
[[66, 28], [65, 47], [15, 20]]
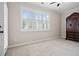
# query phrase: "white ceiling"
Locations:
[[64, 6]]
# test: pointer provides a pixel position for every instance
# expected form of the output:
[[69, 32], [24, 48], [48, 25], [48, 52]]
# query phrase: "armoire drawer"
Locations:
[[69, 38], [77, 34], [77, 37], [70, 35]]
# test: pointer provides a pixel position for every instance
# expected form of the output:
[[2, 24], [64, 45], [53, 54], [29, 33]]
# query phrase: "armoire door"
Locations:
[[70, 25], [77, 30], [70, 29], [77, 26]]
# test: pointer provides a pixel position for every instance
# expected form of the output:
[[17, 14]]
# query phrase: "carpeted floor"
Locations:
[[54, 47]]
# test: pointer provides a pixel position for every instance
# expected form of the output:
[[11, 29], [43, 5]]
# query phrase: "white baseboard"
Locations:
[[31, 42]]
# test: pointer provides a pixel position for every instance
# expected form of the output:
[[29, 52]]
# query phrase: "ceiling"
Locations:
[[64, 6]]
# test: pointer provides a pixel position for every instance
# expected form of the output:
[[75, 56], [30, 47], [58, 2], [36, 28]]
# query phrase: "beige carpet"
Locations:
[[54, 47]]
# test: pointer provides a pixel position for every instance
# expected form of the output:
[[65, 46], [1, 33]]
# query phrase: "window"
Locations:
[[33, 20]]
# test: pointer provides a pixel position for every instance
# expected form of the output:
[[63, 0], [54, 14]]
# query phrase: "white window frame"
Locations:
[[23, 30]]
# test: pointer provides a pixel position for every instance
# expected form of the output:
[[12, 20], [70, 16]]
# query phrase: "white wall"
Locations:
[[63, 21], [17, 37], [2, 28]]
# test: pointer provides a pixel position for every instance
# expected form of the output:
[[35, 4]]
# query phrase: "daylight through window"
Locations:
[[34, 21]]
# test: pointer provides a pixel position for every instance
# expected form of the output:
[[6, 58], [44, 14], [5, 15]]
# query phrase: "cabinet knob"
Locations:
[[70, 24], [78, 24]]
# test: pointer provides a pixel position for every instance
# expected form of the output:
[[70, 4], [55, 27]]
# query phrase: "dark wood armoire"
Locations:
[[72, 27]]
